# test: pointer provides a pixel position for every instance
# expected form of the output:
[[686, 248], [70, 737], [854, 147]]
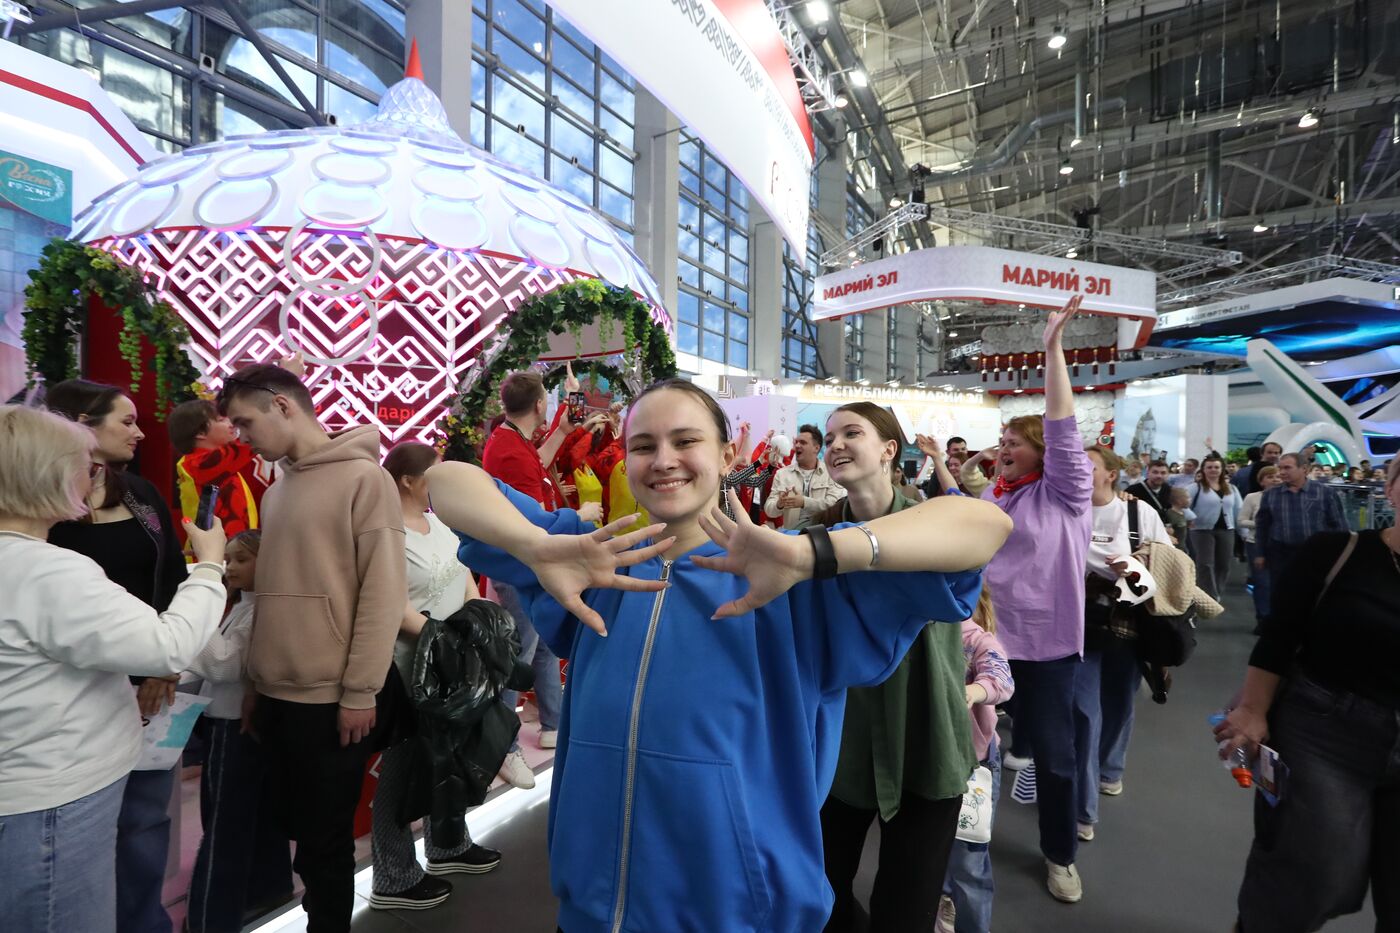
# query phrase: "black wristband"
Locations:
[[823, 552]]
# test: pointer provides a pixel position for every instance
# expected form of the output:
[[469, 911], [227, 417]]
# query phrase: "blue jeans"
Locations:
[[1105, 693], [143, 845], [1059, 738], [244, 860], [549, 689], [60, 866], [969, 881]]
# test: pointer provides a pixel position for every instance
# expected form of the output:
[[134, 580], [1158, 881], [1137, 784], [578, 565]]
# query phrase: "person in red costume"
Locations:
[[212, 455]]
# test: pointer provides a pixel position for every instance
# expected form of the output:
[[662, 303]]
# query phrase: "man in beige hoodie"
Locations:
[[331, 590]]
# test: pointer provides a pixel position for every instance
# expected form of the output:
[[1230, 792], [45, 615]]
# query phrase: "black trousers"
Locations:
[[914, 850], [316, 785]]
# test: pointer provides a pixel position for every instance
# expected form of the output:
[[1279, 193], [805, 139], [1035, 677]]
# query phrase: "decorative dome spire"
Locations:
[[410, 107]]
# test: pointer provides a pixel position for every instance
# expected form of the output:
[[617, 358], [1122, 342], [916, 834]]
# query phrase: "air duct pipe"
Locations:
[[1214, 197], [1016, 139]]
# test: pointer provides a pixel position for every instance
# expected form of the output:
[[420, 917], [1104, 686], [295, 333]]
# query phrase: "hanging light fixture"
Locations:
[[818, 11], [859, 78], [1057, 38], [1072, 253], [1260, 226], [1308, 120], [1066, 168]]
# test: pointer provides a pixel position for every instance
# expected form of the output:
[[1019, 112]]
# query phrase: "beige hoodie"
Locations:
[[331, 577]]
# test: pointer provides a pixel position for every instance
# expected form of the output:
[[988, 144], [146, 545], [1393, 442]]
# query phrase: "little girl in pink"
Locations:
[[968, 889]]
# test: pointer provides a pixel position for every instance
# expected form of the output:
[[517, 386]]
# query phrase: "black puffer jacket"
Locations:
[[461, 665]]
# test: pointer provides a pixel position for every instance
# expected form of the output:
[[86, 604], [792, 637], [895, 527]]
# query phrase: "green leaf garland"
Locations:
[[56, 312], [570, 308]]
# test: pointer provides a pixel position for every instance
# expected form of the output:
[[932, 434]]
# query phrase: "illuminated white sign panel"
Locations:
[[988, 274], [721, 67]]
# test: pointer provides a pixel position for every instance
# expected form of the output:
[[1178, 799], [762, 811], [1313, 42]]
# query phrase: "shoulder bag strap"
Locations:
[[1337, 568], [1134, 536]]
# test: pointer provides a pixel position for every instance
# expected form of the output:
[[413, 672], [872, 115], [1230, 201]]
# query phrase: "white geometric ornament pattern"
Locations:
[[389, 253]]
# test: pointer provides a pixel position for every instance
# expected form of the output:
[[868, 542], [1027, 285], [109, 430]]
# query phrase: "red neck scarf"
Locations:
[[1003, 487]]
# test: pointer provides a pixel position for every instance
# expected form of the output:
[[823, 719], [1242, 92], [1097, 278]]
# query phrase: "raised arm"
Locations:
[[1059, 393], [566, 565], [774, 562]]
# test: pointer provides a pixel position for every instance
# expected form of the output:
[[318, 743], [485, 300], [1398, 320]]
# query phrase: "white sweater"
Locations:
[[68, 639], [221, 664]]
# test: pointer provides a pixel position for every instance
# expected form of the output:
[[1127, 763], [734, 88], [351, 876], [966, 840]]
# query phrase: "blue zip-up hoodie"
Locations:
[[695, 754]]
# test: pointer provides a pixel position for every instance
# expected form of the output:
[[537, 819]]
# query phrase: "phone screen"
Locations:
[[578, 406], [208, 498]]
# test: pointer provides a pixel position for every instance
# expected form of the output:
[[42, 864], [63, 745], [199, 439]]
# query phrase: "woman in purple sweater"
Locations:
[[1037, 584]]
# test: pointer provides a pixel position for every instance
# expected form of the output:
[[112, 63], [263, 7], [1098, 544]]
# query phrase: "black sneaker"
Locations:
[[475, 861], [429, 892]]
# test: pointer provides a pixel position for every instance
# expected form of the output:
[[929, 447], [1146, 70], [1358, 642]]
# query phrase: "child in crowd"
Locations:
[[968, 887], [1179, 516], [243, 861], [212, 455]]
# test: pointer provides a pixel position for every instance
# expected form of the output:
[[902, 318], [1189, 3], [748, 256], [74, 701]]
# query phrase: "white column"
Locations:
[[1207, 415], [443, 29], [657, 212], [765, 295]]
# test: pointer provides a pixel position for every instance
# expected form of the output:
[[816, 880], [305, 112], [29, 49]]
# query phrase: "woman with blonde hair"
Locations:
[[69, 636]]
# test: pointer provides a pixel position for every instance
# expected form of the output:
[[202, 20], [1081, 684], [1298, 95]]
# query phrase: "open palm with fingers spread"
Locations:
[[1055, 323], [568, 565], [772, 562]]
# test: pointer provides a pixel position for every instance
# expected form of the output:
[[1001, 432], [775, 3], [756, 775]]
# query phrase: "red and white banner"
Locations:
[[989, 274], [721, 67]]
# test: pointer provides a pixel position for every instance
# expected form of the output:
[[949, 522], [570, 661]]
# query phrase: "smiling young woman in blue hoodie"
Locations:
[[708, 672]]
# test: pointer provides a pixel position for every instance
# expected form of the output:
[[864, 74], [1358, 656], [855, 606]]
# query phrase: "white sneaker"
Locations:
[[549, 738], [1086, 832], [516, 772], [947, 915], [1110, 788], [1063, 882], [1014, 762]]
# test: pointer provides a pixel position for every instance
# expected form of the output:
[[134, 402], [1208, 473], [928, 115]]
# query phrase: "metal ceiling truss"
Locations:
[[1246, 282], [1051, 237], [813, 79]]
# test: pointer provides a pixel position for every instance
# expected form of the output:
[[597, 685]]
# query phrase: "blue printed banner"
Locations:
[[37, 188]]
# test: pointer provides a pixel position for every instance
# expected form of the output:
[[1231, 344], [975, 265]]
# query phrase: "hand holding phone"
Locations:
[[208, 498], [578, 407]]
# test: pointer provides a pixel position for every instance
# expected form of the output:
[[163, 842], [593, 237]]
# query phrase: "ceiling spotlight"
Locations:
[[893, 383], [818, 11], [1066, 168], [840, 101], [1075, 141], [896, 202], [952, 333], [1072, 253], [862, 381], [1020, 391], [852, 254], [1088, 388], [859, 78], [833, 379], [921, 385], [1058, 38], [1308, 120], [1260, 226]]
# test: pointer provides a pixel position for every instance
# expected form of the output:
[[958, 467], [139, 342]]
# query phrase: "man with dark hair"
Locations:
[[1290, 514], [212, 455], [1246, 480], [511, 456], [803, 488], [331, 585], [957, 447], [1154, 489]]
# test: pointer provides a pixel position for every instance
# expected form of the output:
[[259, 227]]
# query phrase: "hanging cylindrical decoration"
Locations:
[[1113, 361], [1040, 365], [1074, 368], [1096, 361], [1025, 361]]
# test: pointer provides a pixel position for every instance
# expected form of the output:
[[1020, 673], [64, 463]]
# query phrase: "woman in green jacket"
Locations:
[[906, 747]]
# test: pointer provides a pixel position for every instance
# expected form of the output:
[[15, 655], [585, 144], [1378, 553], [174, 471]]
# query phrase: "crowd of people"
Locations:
[[770, 647]]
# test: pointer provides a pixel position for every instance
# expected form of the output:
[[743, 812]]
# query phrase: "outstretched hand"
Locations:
[[571, 383], [1055, 324], [928, 445], [567, 565], [772, 562]]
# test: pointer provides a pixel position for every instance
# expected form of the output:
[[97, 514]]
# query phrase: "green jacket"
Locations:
[[911, 734]]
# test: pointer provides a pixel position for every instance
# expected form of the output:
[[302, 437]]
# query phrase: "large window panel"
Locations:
[[714, 254], [547, 60]]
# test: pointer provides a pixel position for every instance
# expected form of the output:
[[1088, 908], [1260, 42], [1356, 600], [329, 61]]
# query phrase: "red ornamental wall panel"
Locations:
[[389, 326]]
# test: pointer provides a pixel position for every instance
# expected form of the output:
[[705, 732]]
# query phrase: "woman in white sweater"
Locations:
[[69, 637]]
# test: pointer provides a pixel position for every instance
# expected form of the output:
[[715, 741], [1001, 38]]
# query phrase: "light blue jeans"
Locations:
[[1105, 694], [549, 689], [969, 882], [60, 866]]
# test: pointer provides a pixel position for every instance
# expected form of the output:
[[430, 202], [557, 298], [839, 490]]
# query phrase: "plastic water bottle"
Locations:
[[1238, 762]]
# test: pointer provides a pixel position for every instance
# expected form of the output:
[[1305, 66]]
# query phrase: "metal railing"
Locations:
[[1365, 505]]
